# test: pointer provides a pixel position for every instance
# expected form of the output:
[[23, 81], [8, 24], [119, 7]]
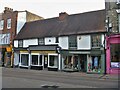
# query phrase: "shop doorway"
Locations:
[[45, 61], [83, 63]]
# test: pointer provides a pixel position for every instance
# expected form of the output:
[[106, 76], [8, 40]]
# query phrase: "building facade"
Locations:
[[10, 24], [113, 37], [68, 42]]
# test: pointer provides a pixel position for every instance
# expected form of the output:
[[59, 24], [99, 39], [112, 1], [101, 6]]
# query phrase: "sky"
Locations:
[[52, 8]]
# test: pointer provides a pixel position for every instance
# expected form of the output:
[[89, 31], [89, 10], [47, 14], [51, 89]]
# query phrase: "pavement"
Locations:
[[77, 74]]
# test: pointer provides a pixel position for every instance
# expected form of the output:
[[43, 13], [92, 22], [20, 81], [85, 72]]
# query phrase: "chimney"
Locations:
[[7, 9], [62, 15]]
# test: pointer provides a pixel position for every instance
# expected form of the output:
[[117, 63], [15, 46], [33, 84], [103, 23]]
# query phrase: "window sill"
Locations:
[[36, 65]]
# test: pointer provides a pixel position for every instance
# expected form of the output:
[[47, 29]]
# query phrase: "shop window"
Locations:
[[72, 42], [8, 23], [53, 60], [94, 65], [96, 41], [34, 59], [24, 59], [41, 41], [115, 55], [1, 24], [71, 62], [20, 43]]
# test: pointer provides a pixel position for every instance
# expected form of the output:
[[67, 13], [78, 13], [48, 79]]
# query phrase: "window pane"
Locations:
[[8, 23], [34, 59], [115, 55], [20, 43], [96, 40], [24, 59], [53, 61], [1, 24], [94, 64], [41, 41], [72, 41]]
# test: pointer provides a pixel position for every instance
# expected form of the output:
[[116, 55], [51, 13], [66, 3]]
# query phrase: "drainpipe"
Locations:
[[79, 67], [105, 53], [29, 63]]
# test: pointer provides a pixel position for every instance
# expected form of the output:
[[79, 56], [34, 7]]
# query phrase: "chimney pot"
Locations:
[[62, 15]]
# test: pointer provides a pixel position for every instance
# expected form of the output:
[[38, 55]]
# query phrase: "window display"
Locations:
[[71, 62], [115, 55], [94, 64]]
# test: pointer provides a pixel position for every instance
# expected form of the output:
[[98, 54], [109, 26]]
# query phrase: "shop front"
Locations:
[[44, 60], [83, 61], [37, 57], [73, 61], [113, 54]]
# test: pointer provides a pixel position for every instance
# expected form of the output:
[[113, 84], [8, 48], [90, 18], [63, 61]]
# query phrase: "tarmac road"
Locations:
[[24, 78]]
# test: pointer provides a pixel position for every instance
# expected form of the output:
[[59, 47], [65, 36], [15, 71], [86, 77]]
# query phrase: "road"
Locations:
[[24, 78]]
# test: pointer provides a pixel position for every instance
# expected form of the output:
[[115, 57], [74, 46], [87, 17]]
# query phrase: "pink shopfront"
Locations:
[[113, 54]]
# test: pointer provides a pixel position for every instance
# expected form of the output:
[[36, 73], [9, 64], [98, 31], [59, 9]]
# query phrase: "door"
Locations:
[[83, 62], [45, 61]]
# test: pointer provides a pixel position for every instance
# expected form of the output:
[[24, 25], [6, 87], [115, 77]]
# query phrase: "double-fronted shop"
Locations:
[[37, 57]]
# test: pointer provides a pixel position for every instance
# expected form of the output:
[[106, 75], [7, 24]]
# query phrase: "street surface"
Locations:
[[24, 78]]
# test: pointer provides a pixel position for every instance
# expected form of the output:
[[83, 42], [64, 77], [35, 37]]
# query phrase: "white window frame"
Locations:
[[1, 24], [9, 21], [38, 59], [49, 60], [20, 64]]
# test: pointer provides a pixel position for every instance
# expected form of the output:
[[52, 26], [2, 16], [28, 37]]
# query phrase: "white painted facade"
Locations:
[[83, 42], [50, 40], [21, 20], [63, 42], [28, 42]]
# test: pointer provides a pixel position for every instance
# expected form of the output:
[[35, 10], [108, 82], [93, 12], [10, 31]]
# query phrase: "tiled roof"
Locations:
[[82, 23]]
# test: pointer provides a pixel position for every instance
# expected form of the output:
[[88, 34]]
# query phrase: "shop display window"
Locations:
[[53, 60], [24, 59], [34, 59], [115, 55], [71, 62], [94, 64]]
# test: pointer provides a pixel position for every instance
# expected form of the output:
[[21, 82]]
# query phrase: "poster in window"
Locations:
[[115, 64], [96, 61]]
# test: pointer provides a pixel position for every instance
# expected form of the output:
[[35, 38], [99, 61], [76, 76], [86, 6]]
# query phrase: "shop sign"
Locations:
[[9, 49]]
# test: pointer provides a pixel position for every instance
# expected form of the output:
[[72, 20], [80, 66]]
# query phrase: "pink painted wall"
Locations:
[[113, 39]]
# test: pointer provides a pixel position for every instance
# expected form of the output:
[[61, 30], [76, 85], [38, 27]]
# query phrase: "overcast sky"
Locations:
[[52, 8]]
